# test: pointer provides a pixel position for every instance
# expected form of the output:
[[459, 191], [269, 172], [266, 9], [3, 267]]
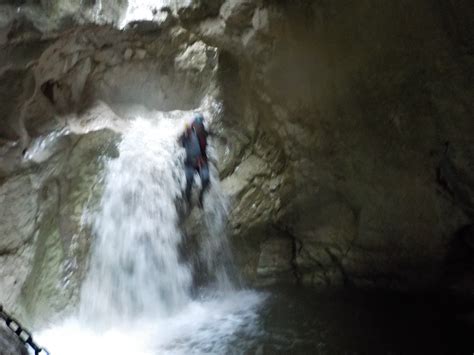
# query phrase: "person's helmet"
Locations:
[[199, 118]]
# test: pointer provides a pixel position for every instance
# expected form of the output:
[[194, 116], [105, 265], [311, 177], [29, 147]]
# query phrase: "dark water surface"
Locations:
[[297, 320]]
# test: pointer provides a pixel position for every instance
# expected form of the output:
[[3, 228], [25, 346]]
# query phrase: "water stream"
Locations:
[[138, 296], [143, 10]]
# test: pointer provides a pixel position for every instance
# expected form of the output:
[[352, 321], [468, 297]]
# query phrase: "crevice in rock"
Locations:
[[9, 252], [444, 165], [320, 266], [338, 264], [296, 248]]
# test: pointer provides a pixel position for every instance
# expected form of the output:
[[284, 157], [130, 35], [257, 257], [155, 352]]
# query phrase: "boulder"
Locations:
[[238, 13]]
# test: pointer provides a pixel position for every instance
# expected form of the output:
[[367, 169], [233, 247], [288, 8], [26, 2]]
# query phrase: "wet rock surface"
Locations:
[[346, 175]]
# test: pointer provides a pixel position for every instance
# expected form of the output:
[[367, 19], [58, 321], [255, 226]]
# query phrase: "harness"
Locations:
[[200, 131]]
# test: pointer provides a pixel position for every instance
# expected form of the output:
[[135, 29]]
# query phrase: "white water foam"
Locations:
[[137, 298], [42, 148], [135, 260], [201, 327], [143, 10]]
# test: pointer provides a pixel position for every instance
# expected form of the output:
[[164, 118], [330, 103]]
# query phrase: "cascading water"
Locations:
[[137, 297], [135, 267], [143, 10], [215, 251]]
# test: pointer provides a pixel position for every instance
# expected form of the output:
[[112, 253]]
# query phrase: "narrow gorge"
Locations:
[[341, 149]]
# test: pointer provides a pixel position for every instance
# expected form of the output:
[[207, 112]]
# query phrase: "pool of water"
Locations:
[[299, 320]]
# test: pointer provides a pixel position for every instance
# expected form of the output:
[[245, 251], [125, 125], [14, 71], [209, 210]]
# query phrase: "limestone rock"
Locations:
[[18, 220], [275, 260], [196, 57], [128, 54], [14, 270], [244, 175], [12, 87], [193, 10], [70, 186], [40, 245], [300, 74], [324, 228], [108, 56], [238, 13], [140, 54], [260, 20]]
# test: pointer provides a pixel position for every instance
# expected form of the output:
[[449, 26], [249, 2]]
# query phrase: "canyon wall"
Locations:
[[344, 140]]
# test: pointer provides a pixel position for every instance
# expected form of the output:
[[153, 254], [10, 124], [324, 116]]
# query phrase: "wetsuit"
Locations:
[[195, 160], [201, 133]]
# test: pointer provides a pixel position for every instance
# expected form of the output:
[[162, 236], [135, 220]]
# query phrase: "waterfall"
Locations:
[[137, 297], [215, 251], [143, 10], [135, 267]]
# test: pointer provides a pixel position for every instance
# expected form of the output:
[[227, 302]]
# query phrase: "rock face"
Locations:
[[345, 140], [355, 129], [59, 124]]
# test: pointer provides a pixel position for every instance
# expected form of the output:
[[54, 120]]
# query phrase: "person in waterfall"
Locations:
[[194, 142]]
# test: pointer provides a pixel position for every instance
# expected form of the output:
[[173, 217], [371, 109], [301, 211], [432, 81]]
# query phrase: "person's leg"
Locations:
[[205, 180], [189, 171]]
